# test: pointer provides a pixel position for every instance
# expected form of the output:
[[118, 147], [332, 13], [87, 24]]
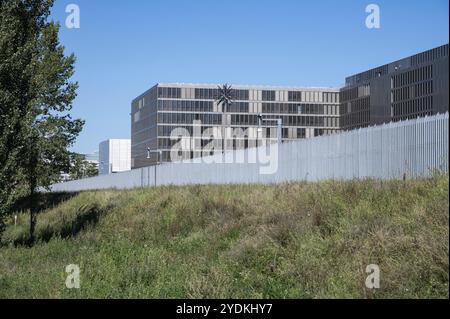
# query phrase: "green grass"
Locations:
[[299, 240]]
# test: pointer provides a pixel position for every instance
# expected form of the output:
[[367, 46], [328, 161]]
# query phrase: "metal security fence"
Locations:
[[410, 148]]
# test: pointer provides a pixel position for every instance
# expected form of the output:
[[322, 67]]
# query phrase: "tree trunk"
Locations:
[[32, 183], [33, 211]]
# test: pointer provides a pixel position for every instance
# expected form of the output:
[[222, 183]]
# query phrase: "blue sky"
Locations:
[[125, 47]]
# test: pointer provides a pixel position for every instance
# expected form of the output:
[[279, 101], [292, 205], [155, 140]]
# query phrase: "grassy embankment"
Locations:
[[294, 240]]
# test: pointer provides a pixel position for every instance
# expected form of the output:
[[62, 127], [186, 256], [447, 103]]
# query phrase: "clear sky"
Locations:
[[125, 47]]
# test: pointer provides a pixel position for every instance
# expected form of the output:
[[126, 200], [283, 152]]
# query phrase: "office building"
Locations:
[[411, 87], [305, 112], [114, 156]]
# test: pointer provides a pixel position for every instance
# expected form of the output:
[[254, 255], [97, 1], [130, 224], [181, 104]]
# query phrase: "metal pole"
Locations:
[[280, 131], [259, 129], [279, 126], [158, 159], [224, 125]]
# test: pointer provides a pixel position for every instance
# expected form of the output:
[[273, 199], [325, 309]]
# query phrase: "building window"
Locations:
[[268, 95]]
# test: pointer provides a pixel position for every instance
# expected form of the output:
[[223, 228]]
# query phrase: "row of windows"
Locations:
[[294, 96], [243, 107], [169, 93], [320, 97], [296, 133], [417, 106], [243, 95], [329, 97], [238, 107], [349, 94], [212, 94], [311, 109], [168, 143], [185, 105], [320, 132], [240, 95], [189, 118], [247, 120], [199, 106], [355, 106], [356, 119], [166, 130], [287, 120], [268, 95], [200, 144], [422, 89], [234, 144], [240, 141], [244, 119], [230, 144], [279, 108], [413, 76], [206, 94], [430, 55], [326, 97], [287, 108], [411, 92], [332, 122], [355, 93]]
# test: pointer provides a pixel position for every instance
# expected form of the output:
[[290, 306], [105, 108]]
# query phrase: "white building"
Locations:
[[114, 156]]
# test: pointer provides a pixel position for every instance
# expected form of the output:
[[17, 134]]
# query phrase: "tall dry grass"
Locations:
[[297, 240]]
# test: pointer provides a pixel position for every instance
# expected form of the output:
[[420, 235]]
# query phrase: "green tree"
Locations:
[[80, 167], [36, 95]]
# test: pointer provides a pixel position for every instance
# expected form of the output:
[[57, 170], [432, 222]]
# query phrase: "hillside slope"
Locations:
[[299, 240]]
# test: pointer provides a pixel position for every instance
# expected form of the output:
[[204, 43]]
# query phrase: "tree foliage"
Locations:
[[36, 95], [81, 168]]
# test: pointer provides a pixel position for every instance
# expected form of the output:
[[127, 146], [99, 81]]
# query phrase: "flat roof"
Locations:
[[249, 87], [392, 64]]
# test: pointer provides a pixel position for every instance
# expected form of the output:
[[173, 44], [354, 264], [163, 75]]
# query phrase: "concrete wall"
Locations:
[[389, 151]]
